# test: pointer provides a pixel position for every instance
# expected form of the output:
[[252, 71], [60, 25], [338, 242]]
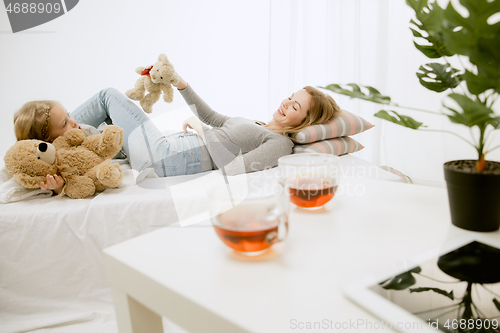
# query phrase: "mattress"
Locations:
[[52, 276]]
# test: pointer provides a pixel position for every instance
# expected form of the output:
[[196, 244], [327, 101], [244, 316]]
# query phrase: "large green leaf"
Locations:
[[474, 37], [439, 77], [417, 5], [473, 113], [399, 119], [429, 20], [478, 84], [355, 91], [495, 122], [402, 281], [436, 290], [463, 33]]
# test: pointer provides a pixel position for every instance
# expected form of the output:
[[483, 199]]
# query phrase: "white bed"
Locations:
[[52, 277]]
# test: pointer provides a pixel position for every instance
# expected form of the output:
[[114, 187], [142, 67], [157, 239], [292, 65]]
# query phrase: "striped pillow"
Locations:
[[343, 125], [336, 146]]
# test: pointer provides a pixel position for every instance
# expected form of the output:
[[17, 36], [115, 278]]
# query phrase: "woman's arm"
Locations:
[[228, 155], [192, 122], [181, 85], [202, 110]]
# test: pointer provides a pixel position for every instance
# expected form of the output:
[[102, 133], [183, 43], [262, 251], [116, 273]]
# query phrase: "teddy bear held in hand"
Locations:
[[155, 79], [84, 162]]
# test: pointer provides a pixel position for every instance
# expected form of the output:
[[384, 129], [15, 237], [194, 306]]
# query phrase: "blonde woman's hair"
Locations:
[[32, 121], [321, 109]]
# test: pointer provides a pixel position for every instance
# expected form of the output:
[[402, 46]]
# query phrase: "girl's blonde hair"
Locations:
[[32, 121], [321, 109]]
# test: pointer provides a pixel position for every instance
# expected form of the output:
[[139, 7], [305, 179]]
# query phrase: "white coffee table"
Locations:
[[190, 277]]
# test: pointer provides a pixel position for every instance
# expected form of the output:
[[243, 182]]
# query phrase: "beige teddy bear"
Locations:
[[155, 79], [84, 162]]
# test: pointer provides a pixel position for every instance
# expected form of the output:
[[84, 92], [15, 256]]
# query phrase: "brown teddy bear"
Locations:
[[155, 79], [84, 162]]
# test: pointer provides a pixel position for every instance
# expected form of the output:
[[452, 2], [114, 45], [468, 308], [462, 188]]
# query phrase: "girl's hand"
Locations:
[[54, 183], [193, 123]]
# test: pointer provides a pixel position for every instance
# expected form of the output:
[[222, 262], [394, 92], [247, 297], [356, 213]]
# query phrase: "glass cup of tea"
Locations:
[[311, 179], [252, 223]]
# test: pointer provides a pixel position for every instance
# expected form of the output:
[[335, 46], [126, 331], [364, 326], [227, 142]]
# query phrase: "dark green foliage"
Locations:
[[402, 281], [436, 290], [439, 77], [399, 119], [441, 33], [355, 91]]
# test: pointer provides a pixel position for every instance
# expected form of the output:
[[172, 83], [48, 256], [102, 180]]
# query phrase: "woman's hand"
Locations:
[[193, 123], [54, 183], [181, 85]]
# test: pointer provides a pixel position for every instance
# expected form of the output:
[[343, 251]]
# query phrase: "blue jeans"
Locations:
[[144, 144]]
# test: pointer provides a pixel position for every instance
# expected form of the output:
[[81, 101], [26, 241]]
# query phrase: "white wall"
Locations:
[[219, 47]]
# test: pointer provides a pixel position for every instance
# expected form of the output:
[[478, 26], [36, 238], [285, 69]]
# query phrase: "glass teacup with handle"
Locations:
[[250, 223]]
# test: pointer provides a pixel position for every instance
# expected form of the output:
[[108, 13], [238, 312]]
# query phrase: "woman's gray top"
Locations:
[[239, 144]]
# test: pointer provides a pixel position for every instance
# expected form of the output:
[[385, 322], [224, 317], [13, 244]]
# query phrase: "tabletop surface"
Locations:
[[368, 225]]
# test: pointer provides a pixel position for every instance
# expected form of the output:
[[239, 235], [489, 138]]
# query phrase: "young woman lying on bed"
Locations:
[[239, 144]]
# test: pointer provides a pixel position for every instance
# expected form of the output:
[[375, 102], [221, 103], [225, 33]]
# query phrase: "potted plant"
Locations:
[[442, 33]]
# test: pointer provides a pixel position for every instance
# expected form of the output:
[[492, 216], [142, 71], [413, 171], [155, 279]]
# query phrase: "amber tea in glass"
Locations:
[[243, 238], [308, 192], [311, 179], [251, 225]]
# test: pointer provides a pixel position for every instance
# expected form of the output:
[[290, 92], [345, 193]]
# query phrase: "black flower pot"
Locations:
[[474, 197]]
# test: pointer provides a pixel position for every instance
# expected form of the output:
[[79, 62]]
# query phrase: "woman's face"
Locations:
[[293, 110], [60, 121]]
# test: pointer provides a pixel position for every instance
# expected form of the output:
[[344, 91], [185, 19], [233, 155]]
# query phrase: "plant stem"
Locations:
[[460, 61], [487, 135], [456, 79], [472, 136], [440, 308], [442, 314], [491, 291], [444, 131], [490, 150], [480, 147], [479, 314]]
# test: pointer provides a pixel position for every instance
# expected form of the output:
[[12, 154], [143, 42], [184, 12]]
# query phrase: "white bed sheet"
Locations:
[[51, 271]]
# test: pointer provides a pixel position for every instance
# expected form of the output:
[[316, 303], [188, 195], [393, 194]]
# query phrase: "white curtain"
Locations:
[[367, 42], [321, 42]]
